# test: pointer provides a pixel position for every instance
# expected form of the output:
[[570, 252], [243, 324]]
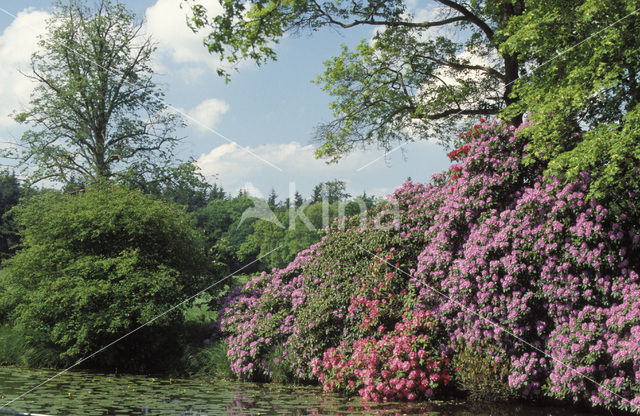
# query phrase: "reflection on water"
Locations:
[[83, 393]]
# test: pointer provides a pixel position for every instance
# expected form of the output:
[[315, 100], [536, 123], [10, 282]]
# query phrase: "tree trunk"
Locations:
[[511, 64], [511, 71]]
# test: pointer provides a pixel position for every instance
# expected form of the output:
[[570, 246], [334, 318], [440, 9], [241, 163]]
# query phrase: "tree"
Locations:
[[336, 190], [94, 266], [224, 230], [266, 242], [586, 53], [272, 200], [409, 83], [317, 193], [183, 185], [584, 102], [217, 192], [95, 113], [330, 191]]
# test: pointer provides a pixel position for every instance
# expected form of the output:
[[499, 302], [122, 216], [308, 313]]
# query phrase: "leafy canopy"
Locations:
[[94, 266], [95, 112], [417, 78], [584, 96]]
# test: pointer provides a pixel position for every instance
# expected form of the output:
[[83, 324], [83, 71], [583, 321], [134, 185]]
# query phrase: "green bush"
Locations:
[[482, 374], [95, 266]]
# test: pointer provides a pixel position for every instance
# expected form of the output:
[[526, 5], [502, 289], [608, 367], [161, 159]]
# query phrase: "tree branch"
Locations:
[[457, 65], [470, 17], [391, 23]]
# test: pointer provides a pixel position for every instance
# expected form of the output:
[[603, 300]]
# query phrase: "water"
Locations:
[[84, 393]]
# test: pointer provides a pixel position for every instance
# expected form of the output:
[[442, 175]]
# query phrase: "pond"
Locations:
[[86, 393]]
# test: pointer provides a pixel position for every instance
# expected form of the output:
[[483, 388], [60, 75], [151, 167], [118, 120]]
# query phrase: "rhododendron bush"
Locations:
[[491, 252], [400, 364]]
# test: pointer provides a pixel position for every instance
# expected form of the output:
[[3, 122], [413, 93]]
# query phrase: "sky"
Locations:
[[253, 133]]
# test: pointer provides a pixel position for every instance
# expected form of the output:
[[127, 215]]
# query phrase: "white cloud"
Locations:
[[208, 113], [234, 167], [294, 159], [17, 43], [165, 21]]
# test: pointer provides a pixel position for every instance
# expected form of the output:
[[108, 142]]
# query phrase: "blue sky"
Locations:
[[270, 111]]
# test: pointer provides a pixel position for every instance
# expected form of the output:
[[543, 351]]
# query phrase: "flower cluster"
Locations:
[[459, 153], [477, 130], [401, 365], [597, 354]]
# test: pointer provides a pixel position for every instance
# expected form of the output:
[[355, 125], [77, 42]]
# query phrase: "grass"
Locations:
[[12, 346]]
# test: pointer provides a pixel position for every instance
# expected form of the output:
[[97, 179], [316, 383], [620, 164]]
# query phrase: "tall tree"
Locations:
[[272, 200], [95, 112], [183, 185], [316, 193], [217, 192], [411, 82], [330, 191]]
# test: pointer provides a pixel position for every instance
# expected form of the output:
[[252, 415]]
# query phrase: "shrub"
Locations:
[[257, 319], [512, 259], [277, 323], [403, 364], [480, 374], [596, 354], [94, 266], [503, 256]]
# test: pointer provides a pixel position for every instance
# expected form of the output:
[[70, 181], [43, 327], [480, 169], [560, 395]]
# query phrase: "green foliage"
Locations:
[[281, 372], [96, 265], [411, 82], [330, 191], [10, 193], [235, 239], [277, 245], [584, 97], [201, 309], [611, 154], [586, 72], [95, 112], [481, 374], [220, 222], [395, 89], [12, 346], [218, 216], [182, 185], [202, 355]]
